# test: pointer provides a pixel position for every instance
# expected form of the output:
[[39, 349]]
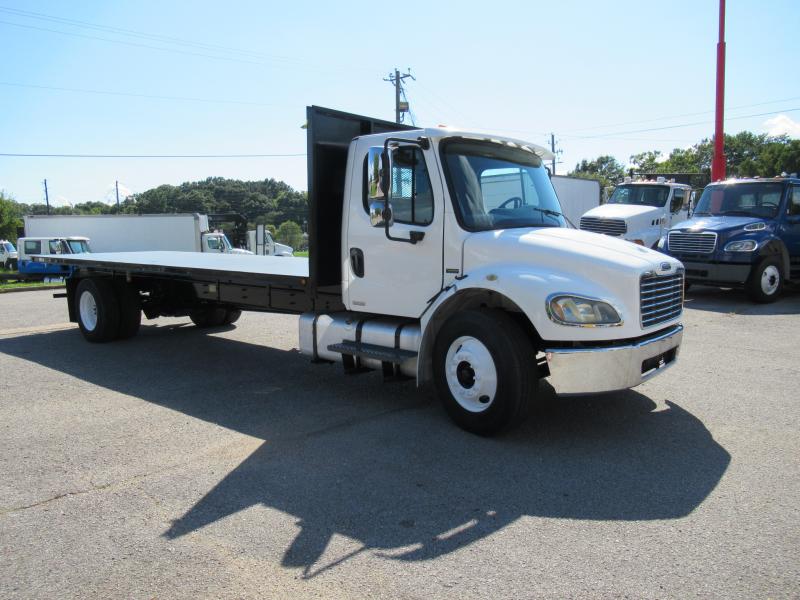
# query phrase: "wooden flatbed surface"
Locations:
[[164, 261]]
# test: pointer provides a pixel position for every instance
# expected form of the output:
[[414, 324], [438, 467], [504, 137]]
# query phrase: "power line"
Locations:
[[26, 155], [135, 95], [693, 114]]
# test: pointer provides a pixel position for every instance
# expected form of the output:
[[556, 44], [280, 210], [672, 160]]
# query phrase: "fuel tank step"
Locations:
[[381, 353]]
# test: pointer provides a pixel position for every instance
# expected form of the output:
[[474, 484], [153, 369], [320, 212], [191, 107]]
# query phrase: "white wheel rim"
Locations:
[[770, 280], [471, 374], [88, 310]]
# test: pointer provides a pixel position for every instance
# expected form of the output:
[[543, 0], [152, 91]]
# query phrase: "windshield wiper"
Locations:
[[702, 213], [738, 212], [547, 211]]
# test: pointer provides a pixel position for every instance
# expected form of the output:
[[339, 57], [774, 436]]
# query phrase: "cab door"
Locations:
[[394, 276], [678, 207], [790, 229]]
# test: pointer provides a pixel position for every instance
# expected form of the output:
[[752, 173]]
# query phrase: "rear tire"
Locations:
[[766, 281], [485, 371], [130, 314], [208, 316], [232, 315], [98, 310]]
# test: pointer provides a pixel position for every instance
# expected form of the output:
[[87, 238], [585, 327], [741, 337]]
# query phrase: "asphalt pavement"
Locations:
[[185, 463]]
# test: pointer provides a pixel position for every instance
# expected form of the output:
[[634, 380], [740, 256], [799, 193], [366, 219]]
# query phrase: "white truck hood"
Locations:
[[622, 211], [528, 265], [562, 249]]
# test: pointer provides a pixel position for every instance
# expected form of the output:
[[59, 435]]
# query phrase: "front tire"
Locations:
[[98, 310], [485, 371], [766, 281]]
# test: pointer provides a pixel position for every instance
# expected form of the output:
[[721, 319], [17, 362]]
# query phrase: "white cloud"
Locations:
[[61, 201], [110, 196], [782, 125]]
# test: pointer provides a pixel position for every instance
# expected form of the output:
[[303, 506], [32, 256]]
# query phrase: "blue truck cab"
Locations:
[[743, 233], [29, 247]]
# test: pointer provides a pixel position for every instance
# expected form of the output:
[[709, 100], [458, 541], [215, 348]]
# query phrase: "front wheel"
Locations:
[[485, 371], [766, 281]]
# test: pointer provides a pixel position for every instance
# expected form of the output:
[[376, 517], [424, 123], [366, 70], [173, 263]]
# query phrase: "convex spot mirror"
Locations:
[[378, 169]]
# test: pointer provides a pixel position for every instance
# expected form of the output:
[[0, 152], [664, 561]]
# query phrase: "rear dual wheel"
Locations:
[[106, 311]]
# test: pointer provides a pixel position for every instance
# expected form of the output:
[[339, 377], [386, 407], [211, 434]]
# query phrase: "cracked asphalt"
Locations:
[[185, 464]]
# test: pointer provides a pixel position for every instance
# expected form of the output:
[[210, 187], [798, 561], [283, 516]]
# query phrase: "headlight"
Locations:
[[755, 226], [741, 246], [662, 242], [583, 312]]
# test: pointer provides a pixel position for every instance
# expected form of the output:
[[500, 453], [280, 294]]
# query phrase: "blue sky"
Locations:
[[596, 74]]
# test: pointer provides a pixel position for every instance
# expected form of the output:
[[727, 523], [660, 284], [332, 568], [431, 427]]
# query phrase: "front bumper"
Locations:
[[733, 273], [612, 368]]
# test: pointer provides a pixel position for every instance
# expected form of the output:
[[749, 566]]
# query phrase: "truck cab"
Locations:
[[8, 255], [48, 246], [218, 242], [743, 233], [640, 211]]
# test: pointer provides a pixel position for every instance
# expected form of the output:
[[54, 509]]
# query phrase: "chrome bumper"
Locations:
[[611, 368]]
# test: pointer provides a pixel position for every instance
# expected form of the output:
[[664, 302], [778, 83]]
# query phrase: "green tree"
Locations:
[[606, 169], [290, 233], [9, 218]]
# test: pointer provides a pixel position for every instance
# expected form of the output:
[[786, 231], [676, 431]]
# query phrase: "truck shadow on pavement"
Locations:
[[381, 463], [726, 300]]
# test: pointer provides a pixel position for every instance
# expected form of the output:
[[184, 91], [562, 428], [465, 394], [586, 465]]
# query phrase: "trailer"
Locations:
[[416, 269], [184, 232]]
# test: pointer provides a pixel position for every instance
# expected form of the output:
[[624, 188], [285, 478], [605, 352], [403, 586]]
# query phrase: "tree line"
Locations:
[[747, 155], [269, 201]]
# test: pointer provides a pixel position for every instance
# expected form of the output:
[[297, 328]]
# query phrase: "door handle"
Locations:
[[357, 261]]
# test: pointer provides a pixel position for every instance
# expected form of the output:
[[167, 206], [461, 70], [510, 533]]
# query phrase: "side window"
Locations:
[[678, 199], [412, 196], [213, 243], [793, 206], [33, 247]]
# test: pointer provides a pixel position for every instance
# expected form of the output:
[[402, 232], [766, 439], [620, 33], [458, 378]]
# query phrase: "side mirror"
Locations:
[[376, 182]]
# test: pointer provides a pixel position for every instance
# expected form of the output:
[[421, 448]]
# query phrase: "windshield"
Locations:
[[641, 195], [9, 247], [499, 187], [742, 199], [78, 246], [226, 242]]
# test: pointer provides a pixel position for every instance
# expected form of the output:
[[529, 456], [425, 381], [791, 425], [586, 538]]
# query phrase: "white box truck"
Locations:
[[415, 272], [641, 211], [261, 242], [186, 232]]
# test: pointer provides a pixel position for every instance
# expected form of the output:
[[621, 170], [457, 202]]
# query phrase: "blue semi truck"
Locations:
[[743, 233]]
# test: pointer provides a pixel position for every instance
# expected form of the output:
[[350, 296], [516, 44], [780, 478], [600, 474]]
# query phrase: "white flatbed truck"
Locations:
[[409, 273]]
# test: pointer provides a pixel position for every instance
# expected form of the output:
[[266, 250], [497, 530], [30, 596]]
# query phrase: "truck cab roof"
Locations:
[[440, 133]]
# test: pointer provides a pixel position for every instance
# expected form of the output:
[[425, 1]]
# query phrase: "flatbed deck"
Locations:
[[271, 283]]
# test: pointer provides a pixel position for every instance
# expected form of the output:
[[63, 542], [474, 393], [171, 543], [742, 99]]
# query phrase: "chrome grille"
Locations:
[[692, 242], [660, 298], [608, 226]]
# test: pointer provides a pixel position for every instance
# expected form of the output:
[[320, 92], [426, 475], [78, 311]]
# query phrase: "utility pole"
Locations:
[[718, 162], [553, 150], [116, 187], [397, 79], [46, 197]]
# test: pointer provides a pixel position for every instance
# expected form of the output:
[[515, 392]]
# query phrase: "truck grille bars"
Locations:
[[692, 242], [660, 298], [615, 227]]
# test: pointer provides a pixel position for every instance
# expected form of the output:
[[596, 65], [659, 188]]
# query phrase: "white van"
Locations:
[[8, 255]]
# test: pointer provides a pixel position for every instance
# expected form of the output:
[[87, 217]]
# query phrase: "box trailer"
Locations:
[[414, 273], [188, 232]]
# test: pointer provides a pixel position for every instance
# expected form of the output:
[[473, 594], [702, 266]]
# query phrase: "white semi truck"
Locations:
[[261, 242], [186, 232], [641, 211], [410, 273]]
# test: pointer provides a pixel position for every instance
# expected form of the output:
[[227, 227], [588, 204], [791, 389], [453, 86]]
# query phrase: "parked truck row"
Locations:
[[418, 269]]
